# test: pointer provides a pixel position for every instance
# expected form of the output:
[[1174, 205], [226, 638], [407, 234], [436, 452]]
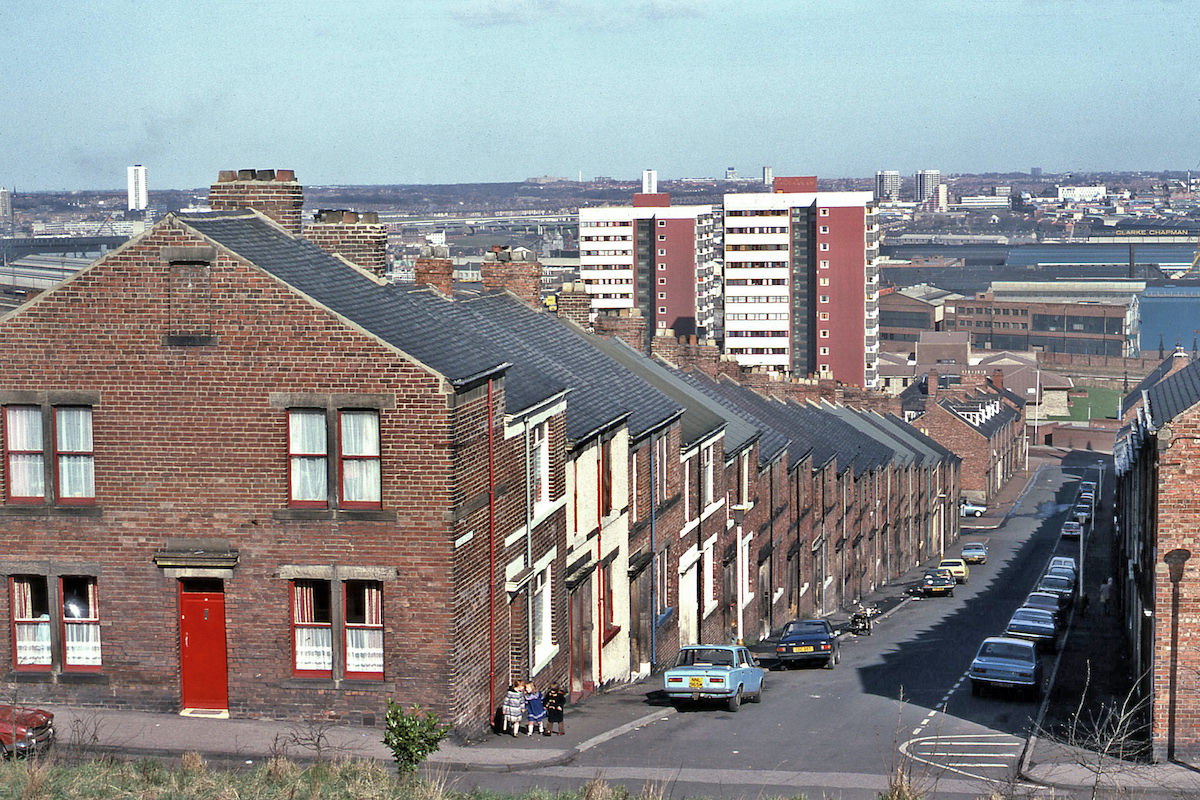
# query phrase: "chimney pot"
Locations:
[[264, 174], [227, 176], [246, 174], [285, 174]]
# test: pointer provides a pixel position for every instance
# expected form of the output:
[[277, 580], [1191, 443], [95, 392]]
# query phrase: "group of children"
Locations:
[[524, 703]]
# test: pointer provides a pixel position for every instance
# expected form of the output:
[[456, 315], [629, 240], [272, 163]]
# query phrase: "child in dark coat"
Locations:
[[556, 700]]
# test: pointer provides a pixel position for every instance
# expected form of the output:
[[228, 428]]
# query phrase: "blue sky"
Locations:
[[422, 91]]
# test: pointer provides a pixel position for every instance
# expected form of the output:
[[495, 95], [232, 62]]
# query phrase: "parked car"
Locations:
[[1087, 486], [970, 509], [958, 568], [1081, 513], [1057, 585], [1085, 498], [1072, 529], [1065, 562], [938, 582], [1007, 663], [807, 640], [1035, 624], [974, 553], [1054, 603], [25, 731], [1062, 572], [715, 672]]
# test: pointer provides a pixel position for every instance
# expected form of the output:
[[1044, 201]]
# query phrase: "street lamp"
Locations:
[[1175, 561]]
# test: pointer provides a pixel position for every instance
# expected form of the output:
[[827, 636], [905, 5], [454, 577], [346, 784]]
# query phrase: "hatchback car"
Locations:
[[1007, 663], [1081, 513], [808, 640], [958, 568], [715, 672], [1072, 529], [1035, 624], [975, 553], [938, 582], [25, 731], [969, 509]]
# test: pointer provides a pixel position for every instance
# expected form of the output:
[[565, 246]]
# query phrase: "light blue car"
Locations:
[[715, 672]]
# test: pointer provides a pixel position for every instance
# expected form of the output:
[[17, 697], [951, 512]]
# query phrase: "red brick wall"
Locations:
[[628, 325], [437, 273], [522, 278], [187, 444]]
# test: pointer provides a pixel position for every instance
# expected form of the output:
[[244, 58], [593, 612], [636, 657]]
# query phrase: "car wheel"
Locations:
[[761, 687], [1035, 692], [950, 593], [976, 689], [736, 701], [979, 513]]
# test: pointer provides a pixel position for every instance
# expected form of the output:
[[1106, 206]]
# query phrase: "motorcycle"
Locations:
[[860, 620]]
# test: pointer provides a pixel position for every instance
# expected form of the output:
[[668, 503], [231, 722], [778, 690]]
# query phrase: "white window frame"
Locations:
[[707, 477]]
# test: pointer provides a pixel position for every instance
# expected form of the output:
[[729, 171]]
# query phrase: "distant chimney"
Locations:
[[272, 192], [575, 304], [998, 379], [358, 238], [434, 268], [512, 270]]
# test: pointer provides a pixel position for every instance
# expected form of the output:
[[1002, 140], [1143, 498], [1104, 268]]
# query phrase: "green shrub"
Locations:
[[411, 735]]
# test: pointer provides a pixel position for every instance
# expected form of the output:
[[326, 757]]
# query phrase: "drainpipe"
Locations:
[[491, 550], [653, 557], [529, 548], [600, 623], [771, 542]]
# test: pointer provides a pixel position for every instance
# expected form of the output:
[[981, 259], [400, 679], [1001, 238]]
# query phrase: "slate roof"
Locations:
[[904, 454], [602, 388], [987, 427], [944, 453], [703, 416], [852, 446], [1173, 395], [386, 310], [779, 431], [1156, 375]]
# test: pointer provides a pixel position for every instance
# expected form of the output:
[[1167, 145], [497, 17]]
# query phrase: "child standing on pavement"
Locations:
[[535, 709], [556, 699], [513, 708]]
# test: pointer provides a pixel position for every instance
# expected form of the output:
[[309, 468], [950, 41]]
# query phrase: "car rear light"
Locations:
[[780, 649], [1025, 674], [716, 680], [674, 680], [826, 646], [981, 670]]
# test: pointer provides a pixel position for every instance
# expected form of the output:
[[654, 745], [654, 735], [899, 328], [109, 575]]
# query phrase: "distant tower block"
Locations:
[[138, 195], [649, 181], [768, 177]]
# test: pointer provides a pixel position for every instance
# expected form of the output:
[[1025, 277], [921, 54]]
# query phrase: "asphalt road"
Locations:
[[898, 700]]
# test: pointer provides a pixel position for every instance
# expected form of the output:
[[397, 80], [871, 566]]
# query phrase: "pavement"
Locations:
[[1047, 761]]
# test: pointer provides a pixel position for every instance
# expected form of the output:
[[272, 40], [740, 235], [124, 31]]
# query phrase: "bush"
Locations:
[[411, 735]]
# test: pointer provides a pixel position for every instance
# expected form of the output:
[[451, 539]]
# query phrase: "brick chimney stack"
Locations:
[[274, 192], [998, 379], [575, 304], [435, 269], [626, 324], [512, 270], [358, 238]]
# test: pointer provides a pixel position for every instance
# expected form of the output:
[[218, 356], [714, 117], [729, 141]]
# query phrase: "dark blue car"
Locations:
[[808, 640]]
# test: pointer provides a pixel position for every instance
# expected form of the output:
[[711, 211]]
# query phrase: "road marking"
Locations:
[[962, 752]]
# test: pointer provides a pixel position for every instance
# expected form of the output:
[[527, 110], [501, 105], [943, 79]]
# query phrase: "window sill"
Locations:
[[16, 510], [79, 677], [350, 684], [330, 514], [610, 634], [30, 676], [48, 676]]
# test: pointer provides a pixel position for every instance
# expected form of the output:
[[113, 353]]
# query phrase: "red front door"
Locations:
[[203, 670]]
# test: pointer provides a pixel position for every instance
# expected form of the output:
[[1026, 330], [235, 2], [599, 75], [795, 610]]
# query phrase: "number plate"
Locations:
[[805, 649], [695, 683]]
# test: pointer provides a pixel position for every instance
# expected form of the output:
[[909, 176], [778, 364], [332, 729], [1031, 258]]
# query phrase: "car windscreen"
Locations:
[[1006, 650], [704, 657], [811, 628], [1031, 615], [1061, 584]]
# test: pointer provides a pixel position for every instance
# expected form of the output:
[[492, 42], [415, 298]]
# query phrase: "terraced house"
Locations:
[[245, 475]]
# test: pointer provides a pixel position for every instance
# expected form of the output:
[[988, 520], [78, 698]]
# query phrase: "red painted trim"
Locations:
[[8, 471], [343, 458], [62, 619], [71, 501], [290, 455], [302, 673], [13, 628]]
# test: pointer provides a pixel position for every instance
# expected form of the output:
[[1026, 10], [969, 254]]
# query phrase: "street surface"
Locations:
[[898, 700]]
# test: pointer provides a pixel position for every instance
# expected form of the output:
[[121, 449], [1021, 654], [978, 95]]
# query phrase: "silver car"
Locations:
[[1035, 624]]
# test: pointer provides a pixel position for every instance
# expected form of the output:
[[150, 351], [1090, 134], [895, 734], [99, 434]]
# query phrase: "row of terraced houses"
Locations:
[[244, 474]]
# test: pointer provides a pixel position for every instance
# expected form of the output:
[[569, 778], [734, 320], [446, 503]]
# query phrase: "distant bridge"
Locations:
[[12, 249], [518, 218]]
